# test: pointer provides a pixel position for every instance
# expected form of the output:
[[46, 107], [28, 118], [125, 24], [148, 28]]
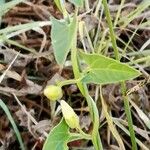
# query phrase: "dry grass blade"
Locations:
[[5, 72], [110, 123], [25, 27], [143, 147], [145, 45], [141, 132], [141, 114], [28, 114]]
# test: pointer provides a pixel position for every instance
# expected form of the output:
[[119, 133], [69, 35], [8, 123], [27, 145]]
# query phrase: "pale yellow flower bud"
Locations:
[[69, 115], [53, 92]]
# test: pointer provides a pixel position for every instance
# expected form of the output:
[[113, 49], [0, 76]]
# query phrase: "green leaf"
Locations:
[[62, 35], [104, 70], [58, 137], [77, 3]]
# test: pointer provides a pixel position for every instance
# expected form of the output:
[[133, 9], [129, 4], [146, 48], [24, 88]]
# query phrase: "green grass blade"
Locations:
[[135, 13], [20, 46], [119, 12], [143, 147], [123, 86], [24, 27], [7, 112]]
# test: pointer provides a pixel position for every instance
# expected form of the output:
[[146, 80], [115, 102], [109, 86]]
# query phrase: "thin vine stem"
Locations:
[[67, 82], [123, 85], [83, 88]]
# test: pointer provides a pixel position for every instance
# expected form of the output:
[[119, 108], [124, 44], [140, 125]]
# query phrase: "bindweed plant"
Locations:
[[88, 68]]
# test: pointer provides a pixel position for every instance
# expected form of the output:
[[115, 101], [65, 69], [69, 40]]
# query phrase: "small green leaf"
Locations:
[[62, 35], [58, 137], [104, 70], [77, 3]]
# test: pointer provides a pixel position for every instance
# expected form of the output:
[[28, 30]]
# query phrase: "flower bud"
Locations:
[[69, 115], [53, 92]]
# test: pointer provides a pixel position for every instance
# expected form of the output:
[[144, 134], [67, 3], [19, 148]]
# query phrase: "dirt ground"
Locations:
[[33, 70]]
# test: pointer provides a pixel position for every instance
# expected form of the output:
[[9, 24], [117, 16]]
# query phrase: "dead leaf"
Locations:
[[56, 78], [43, 125], [85, 122]]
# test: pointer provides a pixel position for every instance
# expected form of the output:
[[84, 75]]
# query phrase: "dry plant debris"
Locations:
[[35, 67]]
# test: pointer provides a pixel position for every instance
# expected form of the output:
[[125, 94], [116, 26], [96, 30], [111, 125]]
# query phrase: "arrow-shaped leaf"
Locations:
[[62, 35], [58, 137], [104, 70]]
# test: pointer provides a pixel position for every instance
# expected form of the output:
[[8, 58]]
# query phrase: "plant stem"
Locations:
[[86, 136], [95, 118], [78, 136], [75, 62], [129, 116], [67, 82], [83, 88], [123, 86]]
